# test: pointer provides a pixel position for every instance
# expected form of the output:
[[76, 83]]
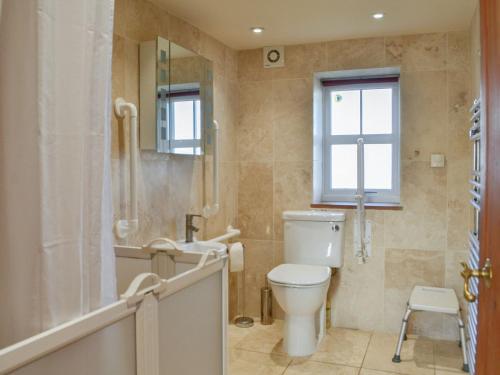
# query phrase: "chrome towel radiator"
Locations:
[[475, 135]]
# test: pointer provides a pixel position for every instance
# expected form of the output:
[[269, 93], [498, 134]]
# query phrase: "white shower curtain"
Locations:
[[56, 250]]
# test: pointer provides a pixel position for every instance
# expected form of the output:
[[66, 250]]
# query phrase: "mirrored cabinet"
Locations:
[[176, 98]]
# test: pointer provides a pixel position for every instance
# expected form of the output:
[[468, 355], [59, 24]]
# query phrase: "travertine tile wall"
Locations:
[[266, 120], [171, 186], [421, 244]]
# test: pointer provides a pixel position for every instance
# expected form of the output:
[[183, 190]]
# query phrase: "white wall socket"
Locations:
[[437, 160]]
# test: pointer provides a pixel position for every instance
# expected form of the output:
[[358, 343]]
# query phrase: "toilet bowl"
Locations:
[[301, 292]]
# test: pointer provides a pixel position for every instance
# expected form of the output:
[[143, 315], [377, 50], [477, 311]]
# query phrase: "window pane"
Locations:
[[377, 111], [344, 166], [378, 166], [183, 120], [345, 108]]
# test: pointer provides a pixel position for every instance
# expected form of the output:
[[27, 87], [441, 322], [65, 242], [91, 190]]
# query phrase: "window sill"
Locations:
[[350, 205]]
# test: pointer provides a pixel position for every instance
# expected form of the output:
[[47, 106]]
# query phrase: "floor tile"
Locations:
[[308, 367], [343, 347], [448, 356], [242, 362], [417, 356], [365, 371], [236, 334], [264, 339]]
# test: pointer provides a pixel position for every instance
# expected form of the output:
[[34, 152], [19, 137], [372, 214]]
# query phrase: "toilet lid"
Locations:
[[299, 274]]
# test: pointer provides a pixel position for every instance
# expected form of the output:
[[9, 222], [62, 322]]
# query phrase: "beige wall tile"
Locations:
[[132, 72], [231, 64], [213, 50], [417, 52], [118, 89], [143, 20], [358, 292], [406, 268], [228, 206], [259, 260], [255, 124], [301, 61], [119, 20], [184, 34], [292, 190], [292, 119], [255, 200], [423, 115], [459, 102], [421, 224], [251, 66], [356, 54], [459, 210], [459, 51]]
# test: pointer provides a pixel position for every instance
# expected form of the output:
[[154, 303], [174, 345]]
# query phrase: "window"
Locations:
[[366, 108]]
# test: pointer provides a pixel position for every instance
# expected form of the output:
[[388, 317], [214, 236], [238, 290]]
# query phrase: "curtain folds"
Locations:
[[56, 259]]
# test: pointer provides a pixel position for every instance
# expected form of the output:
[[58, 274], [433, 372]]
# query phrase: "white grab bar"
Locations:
[[230, 233], [211, 210], [362, 254], [124, 227]]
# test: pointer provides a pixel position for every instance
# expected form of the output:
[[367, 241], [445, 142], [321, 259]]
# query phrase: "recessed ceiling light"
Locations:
[[378, 16], [257, 29]]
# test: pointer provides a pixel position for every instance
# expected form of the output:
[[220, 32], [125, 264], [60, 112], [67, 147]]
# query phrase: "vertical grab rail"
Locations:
[[211, 210], [125, 227], [360, 201]]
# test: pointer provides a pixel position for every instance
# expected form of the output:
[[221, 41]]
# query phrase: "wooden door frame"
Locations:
[[488, 349]]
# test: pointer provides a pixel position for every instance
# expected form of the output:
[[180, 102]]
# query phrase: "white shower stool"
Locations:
[[439, 300]]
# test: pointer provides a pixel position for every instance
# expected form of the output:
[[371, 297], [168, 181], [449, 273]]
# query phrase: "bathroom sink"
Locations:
[[201, 246]]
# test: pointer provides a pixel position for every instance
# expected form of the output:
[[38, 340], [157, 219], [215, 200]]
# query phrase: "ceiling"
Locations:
[[306, 21]]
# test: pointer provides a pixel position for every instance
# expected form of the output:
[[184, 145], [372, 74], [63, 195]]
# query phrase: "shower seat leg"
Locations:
[[465, 367], [402, 336]]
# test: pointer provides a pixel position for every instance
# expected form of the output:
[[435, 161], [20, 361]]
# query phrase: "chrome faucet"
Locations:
[[190, 228]]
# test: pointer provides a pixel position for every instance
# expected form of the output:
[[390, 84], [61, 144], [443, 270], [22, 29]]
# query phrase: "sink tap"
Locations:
[[190, 228]]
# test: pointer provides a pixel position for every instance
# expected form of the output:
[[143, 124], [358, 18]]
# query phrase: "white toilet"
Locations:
[[314, 243]]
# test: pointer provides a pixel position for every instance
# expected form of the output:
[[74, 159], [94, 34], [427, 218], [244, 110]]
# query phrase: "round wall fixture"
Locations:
[[274, 57]]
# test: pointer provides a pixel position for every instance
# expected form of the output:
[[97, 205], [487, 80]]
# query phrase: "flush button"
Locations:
[[335, 228]]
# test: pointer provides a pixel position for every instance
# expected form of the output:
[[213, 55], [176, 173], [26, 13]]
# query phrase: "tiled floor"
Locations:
[[258, 351]]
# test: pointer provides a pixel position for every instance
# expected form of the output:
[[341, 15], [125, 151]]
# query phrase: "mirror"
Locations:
[[176, 98]]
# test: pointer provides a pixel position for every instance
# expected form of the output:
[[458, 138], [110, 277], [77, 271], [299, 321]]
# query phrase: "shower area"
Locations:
[[83, 290]]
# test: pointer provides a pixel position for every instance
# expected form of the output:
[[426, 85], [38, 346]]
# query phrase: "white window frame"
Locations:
[[390, 196]]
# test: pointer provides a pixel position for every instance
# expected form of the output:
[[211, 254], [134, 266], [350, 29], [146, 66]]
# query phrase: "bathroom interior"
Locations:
[[239, 187]]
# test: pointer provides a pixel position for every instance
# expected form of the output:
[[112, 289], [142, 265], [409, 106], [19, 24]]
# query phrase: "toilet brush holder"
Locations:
[[266, 305]]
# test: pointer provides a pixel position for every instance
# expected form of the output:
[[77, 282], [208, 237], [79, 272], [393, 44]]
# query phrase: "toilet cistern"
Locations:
[[190, 228]]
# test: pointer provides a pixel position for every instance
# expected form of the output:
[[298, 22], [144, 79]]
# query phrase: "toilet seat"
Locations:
[[299, 275]]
